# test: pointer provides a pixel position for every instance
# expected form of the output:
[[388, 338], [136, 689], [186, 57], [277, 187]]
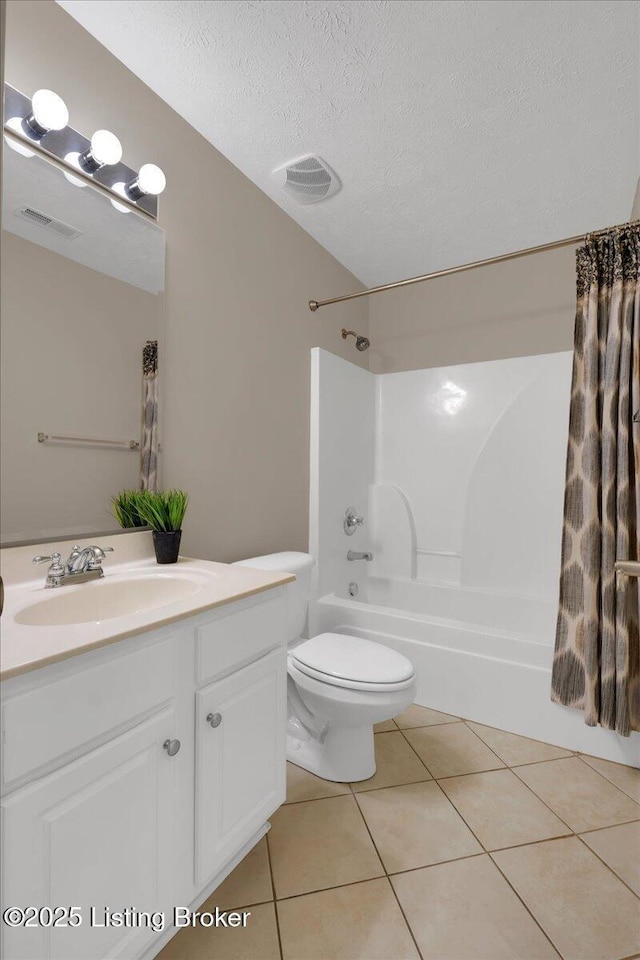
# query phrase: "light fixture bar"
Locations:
[[74, 151]]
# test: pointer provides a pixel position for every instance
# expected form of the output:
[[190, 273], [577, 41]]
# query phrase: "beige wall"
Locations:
[[511, 309], [235, 375]]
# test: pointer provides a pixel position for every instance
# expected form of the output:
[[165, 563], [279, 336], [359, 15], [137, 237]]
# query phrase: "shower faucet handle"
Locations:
[[352, 520]]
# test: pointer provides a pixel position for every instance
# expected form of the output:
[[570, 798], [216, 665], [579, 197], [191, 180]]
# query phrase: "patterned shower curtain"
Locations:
[[597, 655], [149, 449]]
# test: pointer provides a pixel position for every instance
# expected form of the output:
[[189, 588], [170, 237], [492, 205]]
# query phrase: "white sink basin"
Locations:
[[107, 599]]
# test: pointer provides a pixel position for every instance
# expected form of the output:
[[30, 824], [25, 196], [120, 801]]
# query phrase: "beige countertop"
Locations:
[[27, 647]]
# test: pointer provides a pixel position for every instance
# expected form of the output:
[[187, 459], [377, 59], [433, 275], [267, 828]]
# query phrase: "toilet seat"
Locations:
[[342, 660]]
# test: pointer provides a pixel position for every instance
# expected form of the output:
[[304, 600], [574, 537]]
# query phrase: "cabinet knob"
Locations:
[[171, 746], [214, 719]]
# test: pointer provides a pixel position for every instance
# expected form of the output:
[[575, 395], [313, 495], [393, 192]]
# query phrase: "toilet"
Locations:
[[338, 686]]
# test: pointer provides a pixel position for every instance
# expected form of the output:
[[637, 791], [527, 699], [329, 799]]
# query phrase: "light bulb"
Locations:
[[48, 112], [105, 150], [120, 207], [18, 147], [150, 180]]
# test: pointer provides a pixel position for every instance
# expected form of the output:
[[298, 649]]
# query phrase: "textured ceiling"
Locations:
[[460, 130]]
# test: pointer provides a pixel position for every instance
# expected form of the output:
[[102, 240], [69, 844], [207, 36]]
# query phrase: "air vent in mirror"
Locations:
[[40, 219]]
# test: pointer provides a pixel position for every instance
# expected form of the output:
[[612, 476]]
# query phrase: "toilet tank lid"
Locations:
[[287, 562], [353, 658]]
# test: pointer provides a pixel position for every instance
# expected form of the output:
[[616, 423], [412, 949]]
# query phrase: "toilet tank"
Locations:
[[298, 593]]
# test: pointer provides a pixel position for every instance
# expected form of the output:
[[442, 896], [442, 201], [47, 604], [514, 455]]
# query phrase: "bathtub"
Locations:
[[478, 655]]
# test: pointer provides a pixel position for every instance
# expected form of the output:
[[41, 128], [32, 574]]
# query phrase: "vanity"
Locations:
[[143, 743]]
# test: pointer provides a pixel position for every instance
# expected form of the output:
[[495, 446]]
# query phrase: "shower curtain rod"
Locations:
[[316, 304]]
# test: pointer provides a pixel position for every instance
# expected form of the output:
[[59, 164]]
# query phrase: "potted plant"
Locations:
[[125, 509], [164, 512]]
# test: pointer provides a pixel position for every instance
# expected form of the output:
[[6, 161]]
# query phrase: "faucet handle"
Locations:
[[54, 558], [351, 521]]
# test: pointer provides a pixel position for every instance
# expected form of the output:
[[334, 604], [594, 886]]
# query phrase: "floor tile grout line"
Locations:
[[576, 833], [530, 763], [274, 901], [568, 826], [438, 863], [531, 843], [467, 825], [608, 865], [533, 763], [502, 766], [477, 735], [425, 726], [390, 786], [386, 873], [626, 792], [416, 752], [524, 904], [612, 826], [582, 756], [570, 830], [407, 741], [404, 916], [470, 773], [570, 753], [604, 776], [557, 746], [335, 886], [488, 853], [331, 796]]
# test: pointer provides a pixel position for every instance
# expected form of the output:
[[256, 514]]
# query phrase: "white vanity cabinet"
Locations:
[[240, 742], [134, 775], [96, 833]]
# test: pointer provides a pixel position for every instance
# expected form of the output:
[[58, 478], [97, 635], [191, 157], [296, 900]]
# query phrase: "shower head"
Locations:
[[362, 343]]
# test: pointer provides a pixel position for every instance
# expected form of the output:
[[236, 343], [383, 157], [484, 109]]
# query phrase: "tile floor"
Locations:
[[468, 843]]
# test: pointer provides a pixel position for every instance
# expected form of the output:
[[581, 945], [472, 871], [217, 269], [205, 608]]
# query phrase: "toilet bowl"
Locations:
[[338, 686]]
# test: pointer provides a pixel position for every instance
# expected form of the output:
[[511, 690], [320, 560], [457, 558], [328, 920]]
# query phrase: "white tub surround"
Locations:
[[139, 773], [205, 585], [459, 472]]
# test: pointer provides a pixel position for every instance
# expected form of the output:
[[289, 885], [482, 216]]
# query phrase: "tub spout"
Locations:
[[357, 555]]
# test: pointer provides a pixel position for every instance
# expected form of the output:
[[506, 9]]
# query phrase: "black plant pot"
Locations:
[[167, 545]]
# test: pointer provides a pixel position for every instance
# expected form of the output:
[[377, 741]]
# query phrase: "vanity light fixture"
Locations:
[[40, 124], [48, 112], [150, 181], [105, 150]]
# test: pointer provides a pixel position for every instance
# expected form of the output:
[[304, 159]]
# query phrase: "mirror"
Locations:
[[82, 284]]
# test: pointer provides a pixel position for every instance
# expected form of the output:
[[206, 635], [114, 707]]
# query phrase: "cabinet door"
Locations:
[[241, 761], [97, 833]]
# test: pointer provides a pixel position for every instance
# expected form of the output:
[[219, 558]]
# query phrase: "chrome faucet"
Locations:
[[83, 564], [84, 559], [357, 555]]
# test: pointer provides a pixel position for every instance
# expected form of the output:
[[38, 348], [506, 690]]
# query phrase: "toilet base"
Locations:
[[343, 754]]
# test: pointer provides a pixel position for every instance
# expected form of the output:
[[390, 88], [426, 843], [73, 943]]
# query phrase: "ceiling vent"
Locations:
[[308, 179], [41, 219]]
